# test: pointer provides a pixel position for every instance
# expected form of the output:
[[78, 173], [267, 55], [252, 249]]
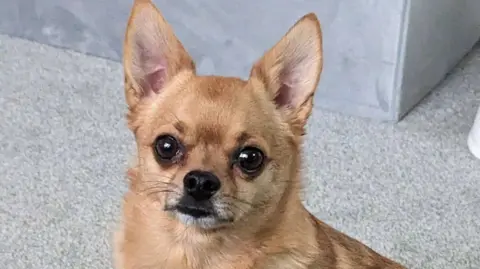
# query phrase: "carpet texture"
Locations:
[[411, 190]]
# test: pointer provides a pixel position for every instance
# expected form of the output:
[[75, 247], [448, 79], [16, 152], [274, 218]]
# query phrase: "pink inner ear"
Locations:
[[155, 80], [284, 96], [150, 67], [286, 93], [292, 91]]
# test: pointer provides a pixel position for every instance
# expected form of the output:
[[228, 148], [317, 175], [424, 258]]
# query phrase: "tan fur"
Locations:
[[213, 116]]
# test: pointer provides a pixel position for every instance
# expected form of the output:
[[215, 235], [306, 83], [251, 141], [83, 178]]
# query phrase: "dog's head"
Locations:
[[215, 150]]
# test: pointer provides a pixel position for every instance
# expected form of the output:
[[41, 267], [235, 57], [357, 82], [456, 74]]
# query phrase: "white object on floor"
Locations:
[[474, 136]]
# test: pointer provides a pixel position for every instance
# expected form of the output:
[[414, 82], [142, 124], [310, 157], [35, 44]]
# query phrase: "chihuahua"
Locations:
[[216, 183]]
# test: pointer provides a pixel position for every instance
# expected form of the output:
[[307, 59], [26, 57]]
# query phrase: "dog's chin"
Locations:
[[205, 218], [207, 222]]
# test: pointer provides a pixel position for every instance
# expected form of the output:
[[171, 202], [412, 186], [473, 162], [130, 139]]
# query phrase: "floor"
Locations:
[[411, 190]]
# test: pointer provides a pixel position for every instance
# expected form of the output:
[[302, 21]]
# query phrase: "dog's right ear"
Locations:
[[152, 55]]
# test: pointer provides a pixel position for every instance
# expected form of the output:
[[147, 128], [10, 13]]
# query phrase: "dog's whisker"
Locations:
[[236, 206], [159, 182], [237, 199], [163, 183], [158, 192], [231, 212], [155, 188], [166, 177]]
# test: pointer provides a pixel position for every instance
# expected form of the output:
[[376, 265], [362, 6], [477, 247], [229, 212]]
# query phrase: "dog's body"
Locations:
[[217, 182]]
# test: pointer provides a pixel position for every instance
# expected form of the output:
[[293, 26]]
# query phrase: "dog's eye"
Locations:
[[167, 148], [250, 160]]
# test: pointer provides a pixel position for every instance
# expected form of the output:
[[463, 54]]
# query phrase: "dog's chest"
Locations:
[[230, 259], [186, 259]]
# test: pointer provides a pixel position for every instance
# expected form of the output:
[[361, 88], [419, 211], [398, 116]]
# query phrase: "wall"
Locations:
[[439, 34], [364, 40]]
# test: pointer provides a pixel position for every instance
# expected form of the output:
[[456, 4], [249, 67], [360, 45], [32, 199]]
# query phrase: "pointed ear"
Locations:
[[152, 53], [290, 71]]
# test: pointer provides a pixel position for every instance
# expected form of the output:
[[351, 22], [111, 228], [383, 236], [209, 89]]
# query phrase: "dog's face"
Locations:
[[215, 150]]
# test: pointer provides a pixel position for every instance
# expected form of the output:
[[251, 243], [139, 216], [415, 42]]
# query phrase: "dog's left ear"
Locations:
[[291, 70]]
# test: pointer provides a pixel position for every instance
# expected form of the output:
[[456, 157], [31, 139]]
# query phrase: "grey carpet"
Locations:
[[410, 191]]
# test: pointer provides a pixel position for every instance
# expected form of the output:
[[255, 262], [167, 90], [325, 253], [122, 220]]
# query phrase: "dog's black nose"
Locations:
[[201, 185]]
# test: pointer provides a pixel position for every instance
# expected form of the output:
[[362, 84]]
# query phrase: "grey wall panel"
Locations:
[[439, 34], [381, 57]]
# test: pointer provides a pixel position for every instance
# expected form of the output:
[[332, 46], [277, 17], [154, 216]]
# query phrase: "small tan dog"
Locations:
[[217, 183]]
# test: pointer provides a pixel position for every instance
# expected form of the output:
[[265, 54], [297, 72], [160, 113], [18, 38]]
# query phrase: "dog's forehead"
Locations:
[[215, 99], [216, 108], [218, 89]]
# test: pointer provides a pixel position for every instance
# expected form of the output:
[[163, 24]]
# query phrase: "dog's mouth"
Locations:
[[186, 205], [200, 214], [194, 211]]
